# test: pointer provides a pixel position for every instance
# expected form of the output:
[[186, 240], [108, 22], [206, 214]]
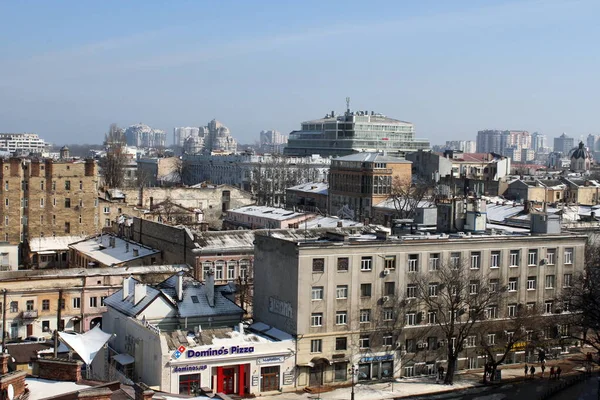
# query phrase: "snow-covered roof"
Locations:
[[372, 157], [109, 253], [500, 212], [328, 222], [311, 187], [274, 213], [82, 272], [52, 243], [43, 388], [194, 301]]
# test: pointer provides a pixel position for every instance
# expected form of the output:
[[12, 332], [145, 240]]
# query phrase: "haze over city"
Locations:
[[451, 68]]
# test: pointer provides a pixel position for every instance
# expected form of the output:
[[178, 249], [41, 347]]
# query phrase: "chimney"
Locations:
[[210, 288], [139, 292], [381, 234], [136, 252], [340, 224], [142, 391], [4, 363], [126, 287], [241, 328], [179, 288]]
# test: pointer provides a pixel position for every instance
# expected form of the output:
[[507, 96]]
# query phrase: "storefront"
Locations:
[[376, 367], [237, 369]]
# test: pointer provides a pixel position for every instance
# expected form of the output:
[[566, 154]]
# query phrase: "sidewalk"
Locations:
[[408, 387]]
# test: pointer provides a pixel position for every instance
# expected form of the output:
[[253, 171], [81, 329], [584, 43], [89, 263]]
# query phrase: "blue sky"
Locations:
[[69, 69]]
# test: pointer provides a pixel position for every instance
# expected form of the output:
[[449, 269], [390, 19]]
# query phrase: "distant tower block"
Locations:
[[64, 153]]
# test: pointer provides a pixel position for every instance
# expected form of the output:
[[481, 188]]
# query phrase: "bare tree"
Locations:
[[455, 297], [245, 289], [113, 164], [406, 195]]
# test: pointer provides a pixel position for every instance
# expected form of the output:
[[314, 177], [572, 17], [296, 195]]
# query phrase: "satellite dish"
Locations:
[[10, 392]]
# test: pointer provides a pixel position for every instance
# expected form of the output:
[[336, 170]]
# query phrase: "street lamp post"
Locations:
[[353, 370]]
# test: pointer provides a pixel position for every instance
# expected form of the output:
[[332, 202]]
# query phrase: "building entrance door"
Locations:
[[316, 376], [228, 380], [269, 379], [29, 329]]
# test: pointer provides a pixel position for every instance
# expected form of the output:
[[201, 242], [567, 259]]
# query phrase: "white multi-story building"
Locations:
[[272, 141], [334, 293], [30, 142], [466, 146], [181, 134], [141, 135]]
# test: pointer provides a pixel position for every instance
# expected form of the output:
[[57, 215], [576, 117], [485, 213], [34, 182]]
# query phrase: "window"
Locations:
[[563, 330], [411, 291], [45, 305], [531, 282], [550, 256], [409, 371], [495, 260], [318, 265], [14, 306], [566, 306], [569, 255], [433, 289], [512, 310], [366, 263], [530, 306], [67, 203], [93, 302], [549, 281], [471, 341], [513, 284], [365, 290], [317, 292], [340, 372], [491, 339], [364, 342], [341, 318], [567, 280], [76, 302], [219, 270], [388, 314], [5, 185], [6, 220], [454, 260], [509, 336], [189, 383], [230, 272], [62, 303], [473, 287], [532, 258], [411, 318], [548, 307], [6, 202], [29, 305], [316, 319], [106, 210], [341, 343], [494, 285], [316, 346], [434, 261], [102, 298], [390, 262], [342, 264], [475, 260], [388, 339], [431, 317], [389, 288], [413, 263], [491, 312], [67, 185], [81, 205], [365, 316], [341, 292], [514, 258], [42, 202], [80, 185]]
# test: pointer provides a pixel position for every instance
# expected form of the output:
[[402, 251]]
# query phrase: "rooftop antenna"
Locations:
[[347, 105]]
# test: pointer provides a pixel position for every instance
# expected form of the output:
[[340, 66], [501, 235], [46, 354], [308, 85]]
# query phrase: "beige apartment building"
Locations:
[[332, 293]]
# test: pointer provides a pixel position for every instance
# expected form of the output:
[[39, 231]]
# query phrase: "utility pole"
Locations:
[[58, 315], [3, 320]]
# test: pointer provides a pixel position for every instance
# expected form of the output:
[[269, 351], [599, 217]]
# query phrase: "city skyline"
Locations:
[[459, 68]]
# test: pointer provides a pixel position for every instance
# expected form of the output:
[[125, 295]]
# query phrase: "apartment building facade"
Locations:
[[47, 198], [338, 289]]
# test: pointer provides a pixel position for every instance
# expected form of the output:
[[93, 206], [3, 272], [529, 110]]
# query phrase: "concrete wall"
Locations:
[[176, 243]]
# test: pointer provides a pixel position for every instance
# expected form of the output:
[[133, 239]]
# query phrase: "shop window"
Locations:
[[189, 384], [340, 371], [269, 378]]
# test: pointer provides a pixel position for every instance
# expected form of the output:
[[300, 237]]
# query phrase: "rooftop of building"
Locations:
[[52, 244], [112, 250], [311, 187], [373, 118], [30, 274], [247, 335], [194, 301], [274, 213], [372, 157]]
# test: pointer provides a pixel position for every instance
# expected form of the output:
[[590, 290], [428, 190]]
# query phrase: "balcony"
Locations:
[[29, 314]]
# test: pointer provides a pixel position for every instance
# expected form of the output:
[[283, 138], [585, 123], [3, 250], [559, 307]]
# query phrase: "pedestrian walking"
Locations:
[[551, 373], [532, 371], [526, 370], [543, 369], [558, 371]]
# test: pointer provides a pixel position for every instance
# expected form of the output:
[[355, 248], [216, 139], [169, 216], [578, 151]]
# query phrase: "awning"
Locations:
[[308, 364], [86, 344], [318, 360], [124, 359], [339, 360]]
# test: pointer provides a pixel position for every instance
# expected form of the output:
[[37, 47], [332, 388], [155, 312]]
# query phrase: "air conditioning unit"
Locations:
[[386, 272], [385, 298]]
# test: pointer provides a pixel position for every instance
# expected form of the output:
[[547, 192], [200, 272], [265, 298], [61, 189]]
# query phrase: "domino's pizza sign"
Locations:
[[179, 352]]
